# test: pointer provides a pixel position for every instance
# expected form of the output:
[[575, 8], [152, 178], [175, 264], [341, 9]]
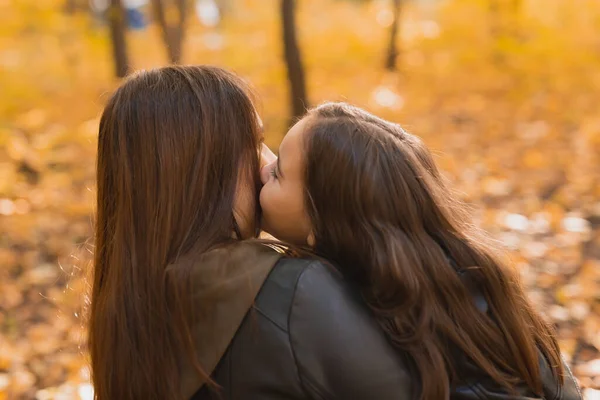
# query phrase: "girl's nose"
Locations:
[[265, 172], [267, 157]]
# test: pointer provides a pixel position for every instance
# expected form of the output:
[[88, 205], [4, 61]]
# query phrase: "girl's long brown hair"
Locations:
[[391, 224], [173, 144]]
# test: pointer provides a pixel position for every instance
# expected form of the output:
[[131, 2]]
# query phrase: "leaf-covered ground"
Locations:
[[507, 98]]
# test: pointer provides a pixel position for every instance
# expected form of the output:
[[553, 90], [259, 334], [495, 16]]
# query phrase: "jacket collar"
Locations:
[[225, 282]]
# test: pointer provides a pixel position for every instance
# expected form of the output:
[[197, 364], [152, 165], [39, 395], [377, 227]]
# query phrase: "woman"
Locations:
[[185, 304], [367, 195]]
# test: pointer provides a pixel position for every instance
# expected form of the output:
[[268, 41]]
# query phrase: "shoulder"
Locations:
[[293, 279], [338, 346], [312, 294], [309, 294]]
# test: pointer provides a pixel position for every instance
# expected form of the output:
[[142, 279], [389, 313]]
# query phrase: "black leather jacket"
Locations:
[[309, 336]]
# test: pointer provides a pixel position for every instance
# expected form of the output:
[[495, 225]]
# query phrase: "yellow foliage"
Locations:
[[507, 98]]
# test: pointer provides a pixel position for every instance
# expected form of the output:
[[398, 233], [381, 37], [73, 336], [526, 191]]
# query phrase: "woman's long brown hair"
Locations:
[[173, 144], [390, 223]]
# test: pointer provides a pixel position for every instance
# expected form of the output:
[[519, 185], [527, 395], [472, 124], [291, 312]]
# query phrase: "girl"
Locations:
[[367, 195]]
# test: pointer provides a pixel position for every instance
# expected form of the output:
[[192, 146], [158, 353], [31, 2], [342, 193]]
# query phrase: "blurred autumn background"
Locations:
[[506, 92]]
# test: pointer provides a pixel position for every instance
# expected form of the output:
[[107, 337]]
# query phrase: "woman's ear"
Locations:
[[310, 239]]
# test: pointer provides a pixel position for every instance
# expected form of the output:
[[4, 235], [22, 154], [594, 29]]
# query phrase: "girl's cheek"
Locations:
[[269, 197], [264, 197]]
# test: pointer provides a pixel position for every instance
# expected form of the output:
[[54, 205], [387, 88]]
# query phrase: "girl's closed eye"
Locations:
[[273, 172]]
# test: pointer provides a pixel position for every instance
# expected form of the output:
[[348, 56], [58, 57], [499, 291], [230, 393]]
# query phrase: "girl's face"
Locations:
[[244, 207], [284, 214]]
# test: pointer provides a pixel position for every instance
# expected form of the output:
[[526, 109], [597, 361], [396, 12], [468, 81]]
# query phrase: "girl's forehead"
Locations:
[[295, 134], [291, 148]]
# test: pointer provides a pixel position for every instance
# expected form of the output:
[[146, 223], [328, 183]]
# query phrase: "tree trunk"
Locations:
[[70, 6], [293, 59], [173, 32], [116, 16], [392, 54]]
